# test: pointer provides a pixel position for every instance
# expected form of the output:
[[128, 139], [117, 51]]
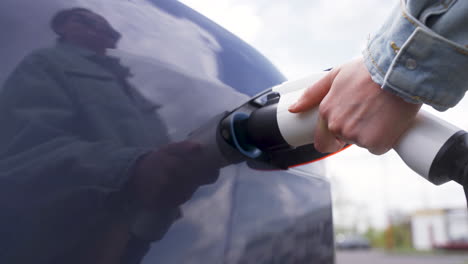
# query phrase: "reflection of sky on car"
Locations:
[[179, 93], [182, 78], [302, 36], [159, 33], [185, 93], [260, 193], [257, 194], [186, 84], [20, 42]]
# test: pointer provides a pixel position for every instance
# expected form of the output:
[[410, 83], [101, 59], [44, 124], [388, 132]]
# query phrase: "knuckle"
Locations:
[[366, 142], [375, 145], [320, 147], [378, 150], [324, 111], [335, 128], [309, 92], [350, 132], [342, 128]]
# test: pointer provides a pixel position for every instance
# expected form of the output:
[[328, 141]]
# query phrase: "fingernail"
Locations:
[[291, 107]]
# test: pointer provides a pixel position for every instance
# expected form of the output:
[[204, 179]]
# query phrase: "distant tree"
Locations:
[[402, 236], [375, 237]]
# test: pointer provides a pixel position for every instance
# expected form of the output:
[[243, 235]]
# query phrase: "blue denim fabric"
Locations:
[[421, 52]]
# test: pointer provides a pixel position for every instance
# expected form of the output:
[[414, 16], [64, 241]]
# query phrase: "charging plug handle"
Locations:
[[451, 162]]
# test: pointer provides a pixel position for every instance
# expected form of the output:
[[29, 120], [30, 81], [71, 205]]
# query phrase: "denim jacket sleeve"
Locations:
[[421, 52]]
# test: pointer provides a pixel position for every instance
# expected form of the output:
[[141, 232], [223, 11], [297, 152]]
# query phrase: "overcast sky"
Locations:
[[303, 36]]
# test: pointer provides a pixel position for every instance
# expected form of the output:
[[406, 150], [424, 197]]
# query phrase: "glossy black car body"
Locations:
[[194, 70]]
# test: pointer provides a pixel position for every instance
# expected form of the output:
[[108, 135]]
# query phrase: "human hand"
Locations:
[[354, 109], [168, 177]]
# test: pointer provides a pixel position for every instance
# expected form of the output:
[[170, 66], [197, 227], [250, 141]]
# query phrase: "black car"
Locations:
[[64, 161]]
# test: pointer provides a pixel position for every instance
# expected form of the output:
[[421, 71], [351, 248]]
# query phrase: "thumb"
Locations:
[[314, 94]]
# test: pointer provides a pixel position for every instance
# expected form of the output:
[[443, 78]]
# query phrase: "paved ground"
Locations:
[[379, 257]]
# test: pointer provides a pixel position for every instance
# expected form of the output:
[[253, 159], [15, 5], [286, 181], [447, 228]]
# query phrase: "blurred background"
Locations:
[[376, 197]]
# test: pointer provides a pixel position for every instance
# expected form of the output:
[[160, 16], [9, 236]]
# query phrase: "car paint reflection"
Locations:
[[189, 70]]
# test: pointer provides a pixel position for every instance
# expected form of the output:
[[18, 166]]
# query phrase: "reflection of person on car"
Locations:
[[80, 152]]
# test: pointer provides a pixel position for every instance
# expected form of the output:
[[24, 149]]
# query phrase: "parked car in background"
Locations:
[[351, 241], [185, 70]]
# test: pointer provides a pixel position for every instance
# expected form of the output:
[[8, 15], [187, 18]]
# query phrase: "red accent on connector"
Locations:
[[322, 158], [308, 162]]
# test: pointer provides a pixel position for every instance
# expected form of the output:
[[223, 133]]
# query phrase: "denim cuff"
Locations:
[[415, 63]]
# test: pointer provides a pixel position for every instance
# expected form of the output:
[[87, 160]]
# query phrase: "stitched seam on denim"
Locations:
[[395, 47], [414, 23], [372, 59], [447, 42], [395, 62], [421, 98], [416, 98], [409, 19]]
